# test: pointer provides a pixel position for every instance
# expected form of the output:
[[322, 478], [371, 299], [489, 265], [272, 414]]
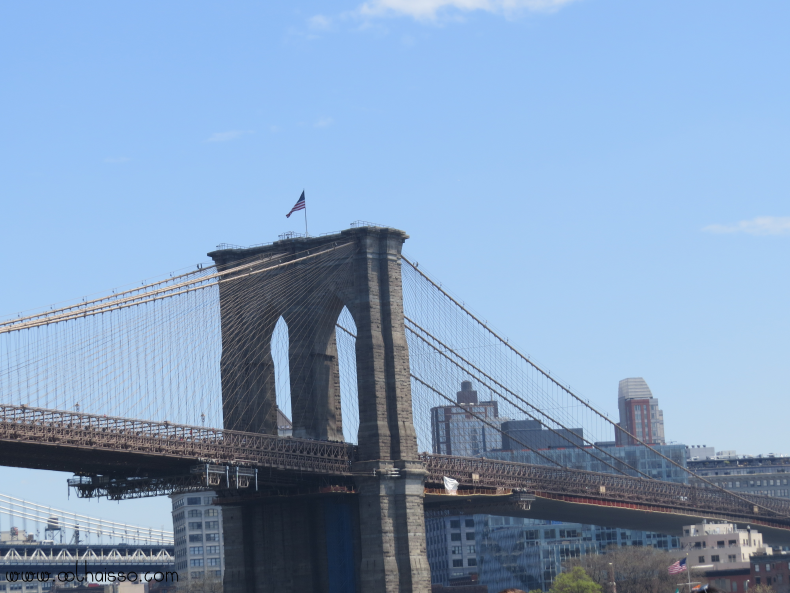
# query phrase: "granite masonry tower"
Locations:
[[374, 540]]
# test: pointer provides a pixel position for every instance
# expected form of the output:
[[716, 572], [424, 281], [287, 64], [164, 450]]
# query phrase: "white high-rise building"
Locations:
[[197, 530]]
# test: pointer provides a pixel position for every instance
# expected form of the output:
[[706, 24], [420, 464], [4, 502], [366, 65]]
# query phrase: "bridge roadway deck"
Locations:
[[50, 439]]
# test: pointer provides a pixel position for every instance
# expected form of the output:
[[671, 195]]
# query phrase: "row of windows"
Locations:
[[198, 550], [199, 525], [717, 558], [198, 574], [751, 483], [769, 566], [209, 562], [456, 523], [460, 550], [456, 537], [198, 513], [196, 500], [209, 537], [459, 562]]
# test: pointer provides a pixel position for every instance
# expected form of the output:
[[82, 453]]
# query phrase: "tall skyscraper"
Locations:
[[458, 430], [639, 414]]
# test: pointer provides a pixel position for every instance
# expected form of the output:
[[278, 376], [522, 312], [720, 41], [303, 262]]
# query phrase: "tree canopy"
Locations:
[[575, 581]]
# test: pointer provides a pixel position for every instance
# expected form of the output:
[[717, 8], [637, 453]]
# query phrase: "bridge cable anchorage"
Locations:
[[477, 343], [518, 397]]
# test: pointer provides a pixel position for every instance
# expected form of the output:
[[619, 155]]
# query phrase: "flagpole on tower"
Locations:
[[306, 234]]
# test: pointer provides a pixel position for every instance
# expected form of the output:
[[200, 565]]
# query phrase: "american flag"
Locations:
[[679, 566], [300, 205]]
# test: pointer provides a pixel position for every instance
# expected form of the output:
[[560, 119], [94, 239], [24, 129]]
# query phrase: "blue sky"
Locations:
[[605, 180]]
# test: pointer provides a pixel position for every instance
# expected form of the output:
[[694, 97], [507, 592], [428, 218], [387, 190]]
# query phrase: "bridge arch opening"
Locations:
[[346, 332], [280, 345]]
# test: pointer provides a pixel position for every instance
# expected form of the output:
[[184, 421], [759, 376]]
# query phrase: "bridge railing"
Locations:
[[594, 485], [22, 423]]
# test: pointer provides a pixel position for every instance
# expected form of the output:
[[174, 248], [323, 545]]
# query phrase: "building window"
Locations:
[[732, 558], [195, 513], [456, 549], [196, 550], [471, 550], [212, 549], [211, 537], [196, 574], [193, 500], [715, 558], [209, 499], [196, 537], [455, 524], [458, 563], [471, 561], [470, 522], [470, 536], [196, 525], [213, 562], [196, 562], [549, 534], [212, 513], [701, 559], [455, 537]]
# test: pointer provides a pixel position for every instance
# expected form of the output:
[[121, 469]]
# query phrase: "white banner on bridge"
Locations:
[[450, 485]]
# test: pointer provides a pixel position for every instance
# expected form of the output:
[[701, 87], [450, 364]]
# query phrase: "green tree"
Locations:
[[575, 581]]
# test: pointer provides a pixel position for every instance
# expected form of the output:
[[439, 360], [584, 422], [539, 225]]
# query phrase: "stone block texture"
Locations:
[[286, 545]]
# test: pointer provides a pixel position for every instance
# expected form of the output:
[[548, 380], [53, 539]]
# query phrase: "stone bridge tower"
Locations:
[[370, 542]]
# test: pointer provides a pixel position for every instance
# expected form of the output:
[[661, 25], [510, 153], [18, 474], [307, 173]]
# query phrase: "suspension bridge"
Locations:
[[44, 539], [176, 384]]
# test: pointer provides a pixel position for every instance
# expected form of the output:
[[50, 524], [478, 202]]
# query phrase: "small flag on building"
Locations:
[[679, 566], [300, 205]]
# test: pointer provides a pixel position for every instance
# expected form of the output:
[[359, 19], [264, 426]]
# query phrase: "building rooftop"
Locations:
[[634, 388]]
